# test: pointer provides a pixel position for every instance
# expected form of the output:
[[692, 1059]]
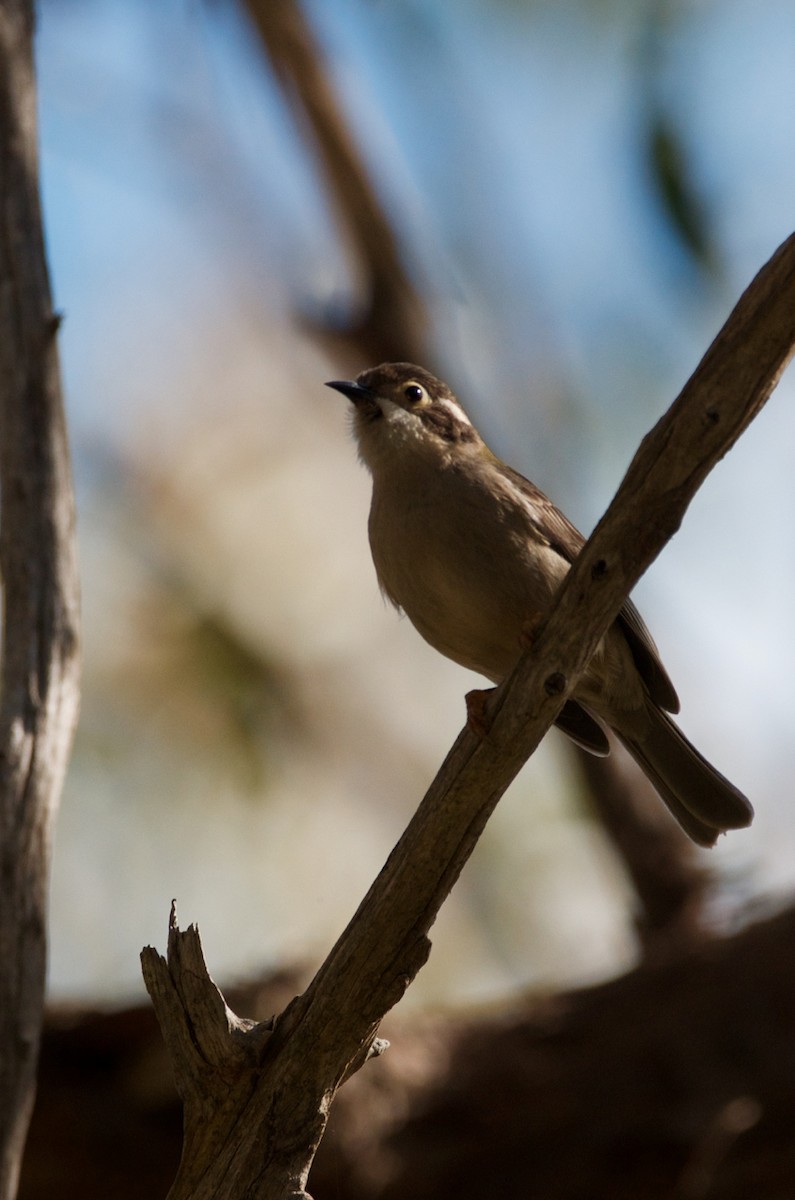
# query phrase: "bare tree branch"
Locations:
[[39, 679], [392, 320], [256, 1134]]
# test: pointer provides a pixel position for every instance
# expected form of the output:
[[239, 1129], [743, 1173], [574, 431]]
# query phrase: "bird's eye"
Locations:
[[414, 393]]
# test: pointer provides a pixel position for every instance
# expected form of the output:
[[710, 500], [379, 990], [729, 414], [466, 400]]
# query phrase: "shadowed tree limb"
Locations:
[[39, 673], [256, 1134], [668, 873]]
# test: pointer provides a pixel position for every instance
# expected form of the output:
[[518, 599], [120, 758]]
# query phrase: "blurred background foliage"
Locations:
[[578, 192]]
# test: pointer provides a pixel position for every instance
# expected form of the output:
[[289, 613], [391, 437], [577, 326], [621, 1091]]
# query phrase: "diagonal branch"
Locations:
[[265, 1147], [39, 674]]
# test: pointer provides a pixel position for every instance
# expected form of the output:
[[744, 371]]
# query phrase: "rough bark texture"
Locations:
[[254, 1118], [39, 681]]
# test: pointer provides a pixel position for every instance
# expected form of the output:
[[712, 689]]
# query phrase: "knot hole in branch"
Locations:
[[555, 683]]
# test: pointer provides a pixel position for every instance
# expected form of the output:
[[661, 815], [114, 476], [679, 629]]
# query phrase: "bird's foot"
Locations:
[[478, 718], [529, 630]]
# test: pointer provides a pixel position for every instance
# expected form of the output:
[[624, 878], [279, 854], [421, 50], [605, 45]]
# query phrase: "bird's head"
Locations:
[[403, 413]]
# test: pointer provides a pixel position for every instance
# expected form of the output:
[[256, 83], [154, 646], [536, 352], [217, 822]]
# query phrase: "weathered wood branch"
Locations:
[[39, 672], [253, 1130]]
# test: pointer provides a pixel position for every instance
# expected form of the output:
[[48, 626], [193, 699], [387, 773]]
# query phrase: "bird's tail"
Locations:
[[703, 801]]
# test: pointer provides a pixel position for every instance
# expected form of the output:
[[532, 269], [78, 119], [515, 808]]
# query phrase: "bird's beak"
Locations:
[[354, 391]]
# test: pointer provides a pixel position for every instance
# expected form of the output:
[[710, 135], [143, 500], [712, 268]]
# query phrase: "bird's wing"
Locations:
[[583, 729], [550, 523], [557, 530], [647, 658]]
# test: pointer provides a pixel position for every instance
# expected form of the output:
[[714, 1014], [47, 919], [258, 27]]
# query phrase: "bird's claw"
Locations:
[[478, 718], [527, 634]]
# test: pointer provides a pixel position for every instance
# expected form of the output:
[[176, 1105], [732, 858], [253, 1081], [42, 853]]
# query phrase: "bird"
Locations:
[[474, 554]]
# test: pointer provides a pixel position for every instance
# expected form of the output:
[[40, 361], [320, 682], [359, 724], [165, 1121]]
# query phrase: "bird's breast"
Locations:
[[471, 575]]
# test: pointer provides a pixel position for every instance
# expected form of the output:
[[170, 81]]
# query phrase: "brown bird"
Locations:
[[473, 553]]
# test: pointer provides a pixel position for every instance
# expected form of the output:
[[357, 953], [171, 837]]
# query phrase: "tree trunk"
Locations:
[[39, 672]]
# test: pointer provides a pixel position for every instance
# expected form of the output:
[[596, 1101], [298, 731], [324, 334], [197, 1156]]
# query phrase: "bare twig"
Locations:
[[391, 322], [261, 1139], [38, 707]]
